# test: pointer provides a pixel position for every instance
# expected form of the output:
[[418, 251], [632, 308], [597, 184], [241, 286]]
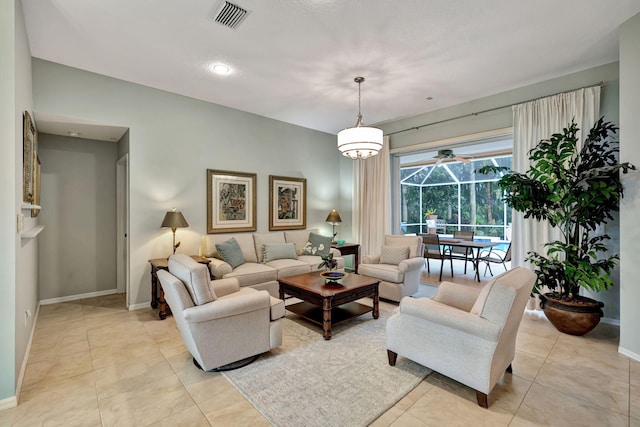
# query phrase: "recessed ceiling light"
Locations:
[[220, 69], [74, 133]]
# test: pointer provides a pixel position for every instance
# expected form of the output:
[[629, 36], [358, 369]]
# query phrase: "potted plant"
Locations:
[[430, 218], [575, 191]]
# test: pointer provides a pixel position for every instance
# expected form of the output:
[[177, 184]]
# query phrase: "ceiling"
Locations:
[[295, 60]]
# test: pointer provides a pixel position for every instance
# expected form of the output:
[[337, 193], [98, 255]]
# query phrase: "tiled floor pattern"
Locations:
[[92, 363]]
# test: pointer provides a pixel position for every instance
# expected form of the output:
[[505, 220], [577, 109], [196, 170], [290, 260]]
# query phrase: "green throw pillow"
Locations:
[[273, 251], [317, 245], [230, 252]]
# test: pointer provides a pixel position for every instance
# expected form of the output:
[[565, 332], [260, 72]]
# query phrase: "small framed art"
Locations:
[[287, 203], [231, 201]]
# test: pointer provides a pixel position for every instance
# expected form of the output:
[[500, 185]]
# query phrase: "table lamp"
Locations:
[[174, 220], [334, 219]]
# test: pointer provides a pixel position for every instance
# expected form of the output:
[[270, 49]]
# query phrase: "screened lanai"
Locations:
[[460, 196]]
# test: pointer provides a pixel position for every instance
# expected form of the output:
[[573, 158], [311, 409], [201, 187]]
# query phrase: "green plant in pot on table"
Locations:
[[575, 191], [330, 264]]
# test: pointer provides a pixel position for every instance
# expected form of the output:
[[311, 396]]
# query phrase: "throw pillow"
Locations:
[[230, 252], [393, 255], [318, 245], [273, 251]]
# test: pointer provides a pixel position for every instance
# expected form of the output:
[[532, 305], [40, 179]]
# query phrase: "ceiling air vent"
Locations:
[[229, 14]]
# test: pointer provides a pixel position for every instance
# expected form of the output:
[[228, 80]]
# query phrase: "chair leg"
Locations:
[[428, 269], [392, 356], [482, 399], [489, 266], [441, 265]]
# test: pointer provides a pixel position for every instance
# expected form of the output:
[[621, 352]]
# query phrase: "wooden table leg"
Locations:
[[154, 288], [164, 307], [376, 304], [326, 318]]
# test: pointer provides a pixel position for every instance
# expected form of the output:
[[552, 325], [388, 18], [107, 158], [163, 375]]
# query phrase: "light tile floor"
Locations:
[[93, 363]]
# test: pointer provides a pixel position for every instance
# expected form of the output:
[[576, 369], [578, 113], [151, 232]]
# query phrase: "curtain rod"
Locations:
[[600, 83]]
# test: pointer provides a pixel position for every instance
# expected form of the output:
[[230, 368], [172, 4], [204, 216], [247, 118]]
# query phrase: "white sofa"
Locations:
[[464, 333], [220, 322], [255, 272], [400, 276]]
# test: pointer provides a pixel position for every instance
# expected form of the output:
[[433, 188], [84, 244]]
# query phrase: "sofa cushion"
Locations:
[[289, 267], [277, 308], [393, 255], [387, 272], [317, 245], [260, 239], [195, 277], [299, 238], [230, 252], [273, 251], [252, 273], [414, 243]]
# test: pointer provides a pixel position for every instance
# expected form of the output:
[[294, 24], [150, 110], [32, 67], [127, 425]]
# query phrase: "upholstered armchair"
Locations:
[[398, 266], [464, 333], [220, 322]]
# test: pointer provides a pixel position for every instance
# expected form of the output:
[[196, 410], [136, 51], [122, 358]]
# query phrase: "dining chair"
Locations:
[[465, 254], [433, 250], [496, 256]]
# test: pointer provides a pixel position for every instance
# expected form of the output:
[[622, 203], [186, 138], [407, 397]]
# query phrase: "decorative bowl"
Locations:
[[332, 276]]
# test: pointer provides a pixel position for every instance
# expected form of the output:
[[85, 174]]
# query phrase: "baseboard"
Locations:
[[610, 321], [25, 361], [77, 297], [139, 306], [629, 354], [8, 403]]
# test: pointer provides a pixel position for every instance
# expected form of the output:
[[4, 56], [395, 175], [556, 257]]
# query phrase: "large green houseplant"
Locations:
[[575, 191]]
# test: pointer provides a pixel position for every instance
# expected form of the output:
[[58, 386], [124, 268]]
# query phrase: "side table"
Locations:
[[158, 300], [350, 249]]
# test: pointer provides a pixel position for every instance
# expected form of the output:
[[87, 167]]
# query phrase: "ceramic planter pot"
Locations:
[[575, 317]]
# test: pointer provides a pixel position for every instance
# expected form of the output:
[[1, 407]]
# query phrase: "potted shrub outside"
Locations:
[[430, 218], [575, 192]]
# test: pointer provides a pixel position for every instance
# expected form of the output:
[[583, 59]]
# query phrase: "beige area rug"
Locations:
[[346, 381]]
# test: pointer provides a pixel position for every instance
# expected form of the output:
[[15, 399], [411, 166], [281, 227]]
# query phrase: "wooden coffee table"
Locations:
[[326, 304]]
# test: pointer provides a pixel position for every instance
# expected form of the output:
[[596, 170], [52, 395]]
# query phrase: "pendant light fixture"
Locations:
[[360, 141]]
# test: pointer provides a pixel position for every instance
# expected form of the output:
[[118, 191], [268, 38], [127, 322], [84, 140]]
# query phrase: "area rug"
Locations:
[[346, 381]]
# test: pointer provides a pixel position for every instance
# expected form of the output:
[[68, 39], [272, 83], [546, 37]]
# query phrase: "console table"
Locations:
[[349, 249], [158, 300]]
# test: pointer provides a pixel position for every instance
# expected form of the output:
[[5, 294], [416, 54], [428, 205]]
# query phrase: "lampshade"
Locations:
[[360, 141], [333, 217], [174, 220]]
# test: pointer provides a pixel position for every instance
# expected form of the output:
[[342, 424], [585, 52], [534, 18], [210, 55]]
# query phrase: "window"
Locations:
[[462, 198]]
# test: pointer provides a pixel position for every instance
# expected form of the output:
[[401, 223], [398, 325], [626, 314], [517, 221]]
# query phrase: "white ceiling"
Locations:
[[295, 60]]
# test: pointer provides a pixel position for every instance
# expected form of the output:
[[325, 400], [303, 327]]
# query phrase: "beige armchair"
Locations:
[[398, 266], [220, 323], [463, 333]]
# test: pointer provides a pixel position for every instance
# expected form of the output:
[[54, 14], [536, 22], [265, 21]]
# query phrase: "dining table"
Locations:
[[475, 246]]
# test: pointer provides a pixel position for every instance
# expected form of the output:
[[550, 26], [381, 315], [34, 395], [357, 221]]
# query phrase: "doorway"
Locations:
[[122, 226]]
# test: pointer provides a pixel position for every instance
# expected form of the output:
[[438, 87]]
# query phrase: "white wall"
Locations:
[[630, 151], [18, 257], [78, 247], [8, 166], [173, 140]]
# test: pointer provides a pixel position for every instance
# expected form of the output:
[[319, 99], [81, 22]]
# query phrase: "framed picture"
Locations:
[[36, 187], [28, 158], [231, 201], [287, 203]]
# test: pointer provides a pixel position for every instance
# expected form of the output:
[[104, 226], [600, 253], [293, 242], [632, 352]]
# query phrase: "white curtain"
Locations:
[[532, 122], [371, 201]]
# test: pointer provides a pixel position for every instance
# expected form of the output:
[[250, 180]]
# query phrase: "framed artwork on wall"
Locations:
[[231, 201], [287, 203], [28, 157], [36, 186]]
